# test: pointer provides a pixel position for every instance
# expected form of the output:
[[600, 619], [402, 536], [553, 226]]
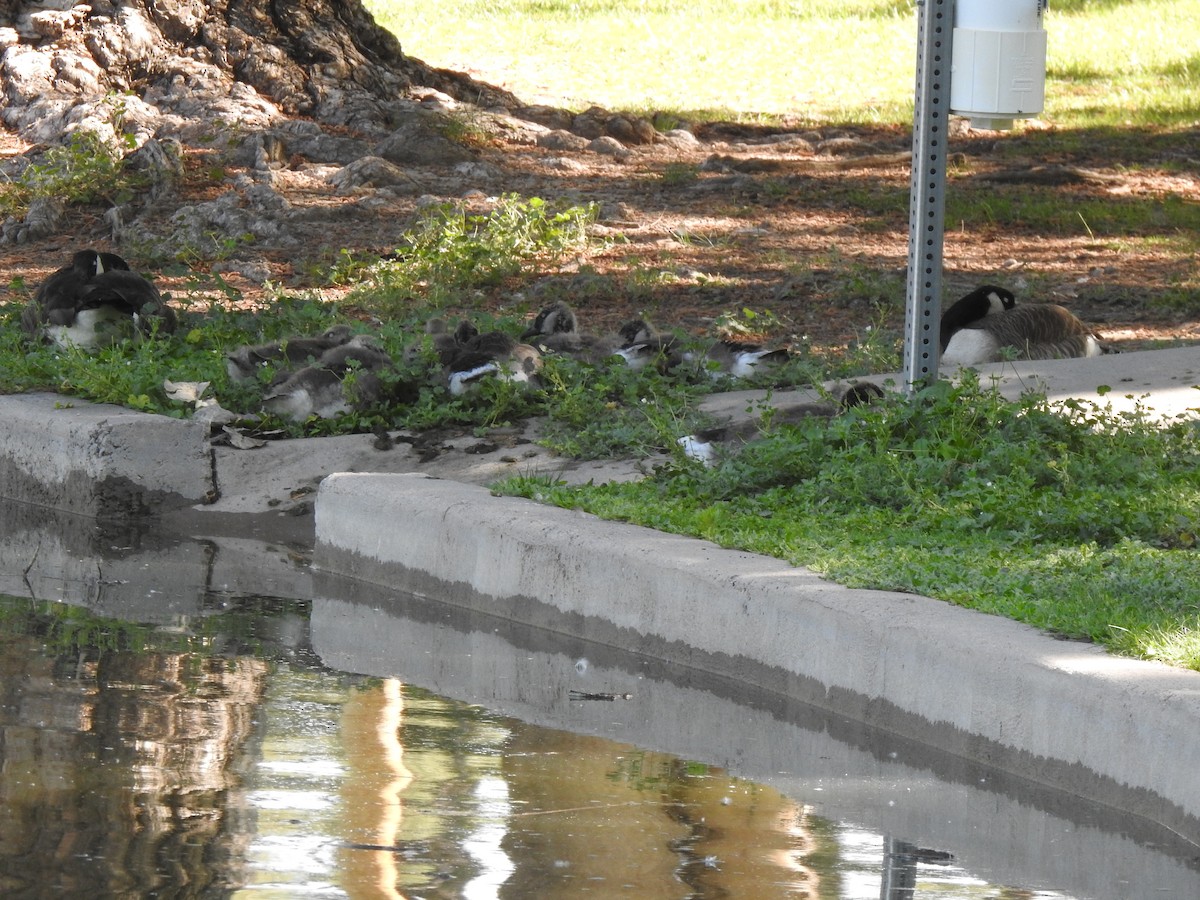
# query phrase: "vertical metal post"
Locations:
[[927, 198]]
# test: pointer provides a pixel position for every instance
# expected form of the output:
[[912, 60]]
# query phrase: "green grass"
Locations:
[[1072, 519], [817, 60]]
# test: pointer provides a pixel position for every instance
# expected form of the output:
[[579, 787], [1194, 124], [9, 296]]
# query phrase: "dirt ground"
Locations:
[[807, 225]]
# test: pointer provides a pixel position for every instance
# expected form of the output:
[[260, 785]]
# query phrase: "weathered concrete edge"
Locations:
[[101, 461], [1121, 732]]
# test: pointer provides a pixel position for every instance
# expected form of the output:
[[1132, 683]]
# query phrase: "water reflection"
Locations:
[[116, 761], [175, 732]]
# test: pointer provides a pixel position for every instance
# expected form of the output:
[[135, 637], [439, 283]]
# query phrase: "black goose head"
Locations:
[[983, 301], [87, 264], [66, 287]]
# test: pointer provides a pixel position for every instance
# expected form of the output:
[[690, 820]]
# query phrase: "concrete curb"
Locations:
[[100, 461], [1120, 732]]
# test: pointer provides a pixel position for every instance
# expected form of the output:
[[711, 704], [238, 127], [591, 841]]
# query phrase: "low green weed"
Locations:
[[84, 170], [450, 252]]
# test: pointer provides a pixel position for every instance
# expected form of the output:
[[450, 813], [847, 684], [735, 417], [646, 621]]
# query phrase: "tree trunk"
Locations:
[[179, 65]]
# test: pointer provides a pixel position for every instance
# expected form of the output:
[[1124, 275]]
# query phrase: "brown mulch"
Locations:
[[741, 219]]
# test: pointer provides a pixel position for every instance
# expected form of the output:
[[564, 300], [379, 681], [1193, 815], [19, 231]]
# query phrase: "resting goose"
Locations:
[[711, 445], [244, 363], [983, 301], [1034, 331], [556, 330], [95, 302], [642, 345], [326, 389], [493, 354]]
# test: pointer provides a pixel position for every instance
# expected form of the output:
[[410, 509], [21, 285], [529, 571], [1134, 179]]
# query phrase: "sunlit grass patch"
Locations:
[[1109, 63]]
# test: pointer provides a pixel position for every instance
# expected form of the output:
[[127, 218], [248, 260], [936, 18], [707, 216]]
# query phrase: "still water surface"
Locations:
[[172, 737]]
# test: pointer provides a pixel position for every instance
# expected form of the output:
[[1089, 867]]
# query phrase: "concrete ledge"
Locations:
[[1121, 732], [100, 461]]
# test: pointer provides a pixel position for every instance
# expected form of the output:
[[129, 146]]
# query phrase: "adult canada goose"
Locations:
[[244, 363], [555, 329], [344, 378], [492, 354], [984, 301], [711, 445], [95, 302], [1034, 331]]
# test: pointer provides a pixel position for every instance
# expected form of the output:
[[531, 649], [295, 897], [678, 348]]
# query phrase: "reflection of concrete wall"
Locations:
[[137, 571], [1002, 828]]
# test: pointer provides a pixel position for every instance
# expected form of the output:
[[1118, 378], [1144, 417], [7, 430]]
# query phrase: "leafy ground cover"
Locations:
[[785, 219], [1072, 519]]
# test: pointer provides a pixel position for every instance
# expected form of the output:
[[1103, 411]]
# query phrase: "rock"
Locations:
[[591, 124], [125, 43], [256, 270], [330, 148], [258, 211], [52, 24], [631, 131], [549, 116], [477, 171], [372, 171], [45, 217], [681, 138], [562, 140], [564, 163], [609, 146], [844, 146], [418, 142]]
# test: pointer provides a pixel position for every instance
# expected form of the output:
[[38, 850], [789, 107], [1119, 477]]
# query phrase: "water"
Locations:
[[208, 718]]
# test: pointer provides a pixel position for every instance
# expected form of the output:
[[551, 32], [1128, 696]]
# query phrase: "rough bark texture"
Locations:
[[182, 67]]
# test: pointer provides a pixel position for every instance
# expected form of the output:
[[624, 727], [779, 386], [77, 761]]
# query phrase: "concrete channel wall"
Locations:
[[1121, 732], [100, 461]]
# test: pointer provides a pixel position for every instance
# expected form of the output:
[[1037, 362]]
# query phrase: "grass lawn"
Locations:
[[1110, 63]]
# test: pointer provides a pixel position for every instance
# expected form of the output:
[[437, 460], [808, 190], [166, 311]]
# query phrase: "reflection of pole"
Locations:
[[927, 193], [899, 870]]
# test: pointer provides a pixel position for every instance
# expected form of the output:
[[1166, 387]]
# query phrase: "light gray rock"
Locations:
[[372, 171], [562, 140], [419, 142]]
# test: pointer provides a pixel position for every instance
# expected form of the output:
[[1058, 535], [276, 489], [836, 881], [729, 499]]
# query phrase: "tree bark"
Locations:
[[183, 64]]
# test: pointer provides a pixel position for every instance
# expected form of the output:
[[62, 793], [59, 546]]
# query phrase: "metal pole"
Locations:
[[927, 197]]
